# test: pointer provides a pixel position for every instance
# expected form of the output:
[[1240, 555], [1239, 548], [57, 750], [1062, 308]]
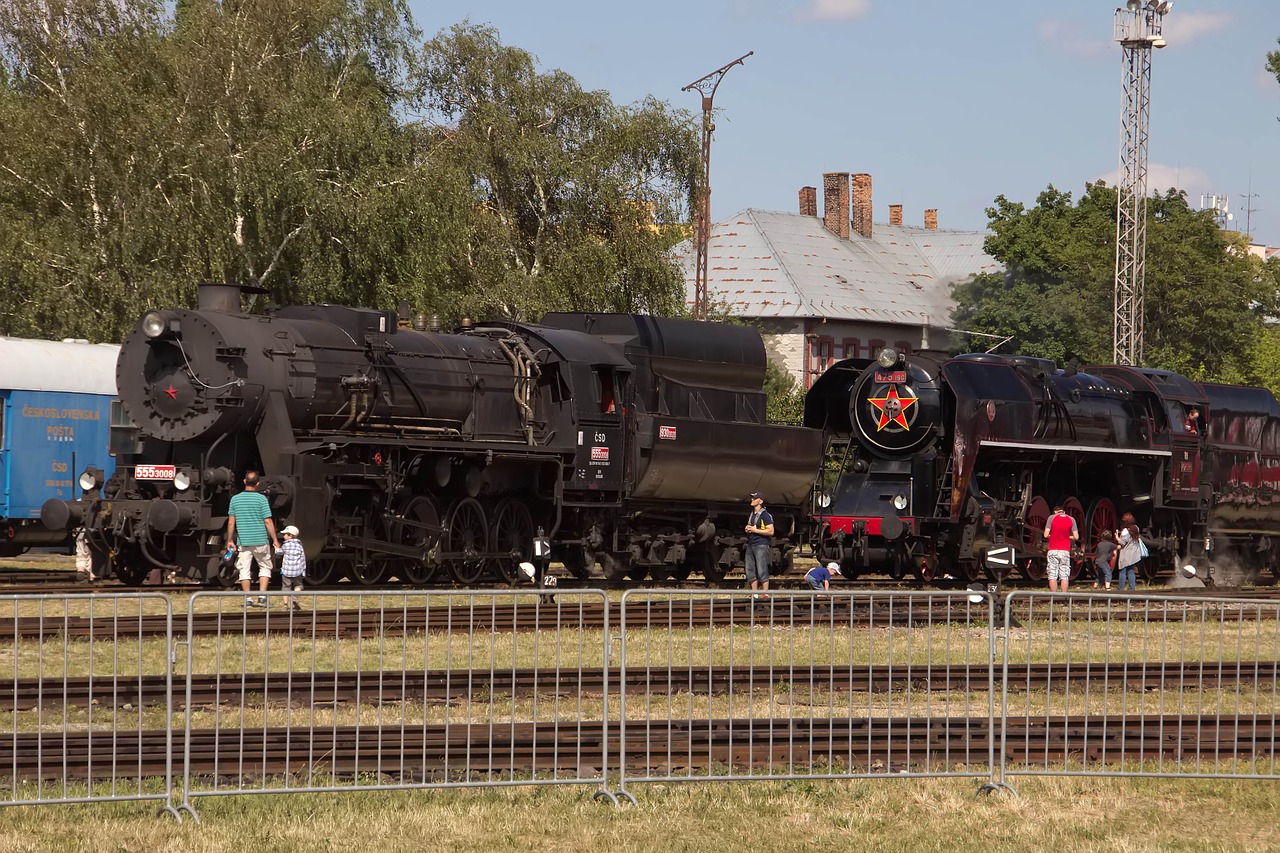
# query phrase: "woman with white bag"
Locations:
[[1132, 550]]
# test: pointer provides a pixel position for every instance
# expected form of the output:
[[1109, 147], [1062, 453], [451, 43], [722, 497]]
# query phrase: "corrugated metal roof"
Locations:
[[769, 264], [76, 367]]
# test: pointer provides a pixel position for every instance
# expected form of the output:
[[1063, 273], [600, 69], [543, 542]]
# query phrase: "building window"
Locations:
[[820, 358], [851, 348]]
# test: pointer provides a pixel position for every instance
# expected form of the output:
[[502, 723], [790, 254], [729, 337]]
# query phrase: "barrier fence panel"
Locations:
[[383, 690], [86, 698], [1140, 685], [719, 685]]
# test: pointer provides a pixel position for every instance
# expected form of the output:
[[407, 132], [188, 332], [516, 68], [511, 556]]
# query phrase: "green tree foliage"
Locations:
[[578, 200], [785, 397], [146, 146], [1205, 296], [1273, 62]]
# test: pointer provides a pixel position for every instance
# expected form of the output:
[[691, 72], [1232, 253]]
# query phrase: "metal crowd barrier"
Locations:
[[86, 699], [379, 691], [718, 685], [1139, 685]]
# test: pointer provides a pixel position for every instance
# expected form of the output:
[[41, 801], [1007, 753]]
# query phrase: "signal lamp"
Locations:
[[181, 481], [899, 502], [88, 482]]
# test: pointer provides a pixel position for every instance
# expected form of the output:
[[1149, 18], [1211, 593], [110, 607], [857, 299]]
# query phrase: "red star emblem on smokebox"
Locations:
[[172, 392], [892, 408]]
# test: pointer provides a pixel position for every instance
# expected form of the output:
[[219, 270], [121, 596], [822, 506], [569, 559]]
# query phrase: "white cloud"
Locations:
[[835, 10], [1070, 37], [1160, 177], [1183, 28]]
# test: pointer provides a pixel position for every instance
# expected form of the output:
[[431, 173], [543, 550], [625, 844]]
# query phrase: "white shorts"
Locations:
[[1059, 565], [84, 563], [248, 554]]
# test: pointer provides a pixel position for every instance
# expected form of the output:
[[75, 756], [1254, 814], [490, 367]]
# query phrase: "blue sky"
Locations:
[[946, 104]]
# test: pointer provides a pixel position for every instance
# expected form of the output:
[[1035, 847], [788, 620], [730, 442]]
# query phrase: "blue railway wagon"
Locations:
[[55, 414]]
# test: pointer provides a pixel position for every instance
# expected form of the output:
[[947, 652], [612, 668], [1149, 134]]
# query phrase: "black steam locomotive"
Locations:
[[951, 469], [624, 441]]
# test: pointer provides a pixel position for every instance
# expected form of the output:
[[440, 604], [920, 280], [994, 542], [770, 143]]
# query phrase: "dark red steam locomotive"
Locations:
[[944, 469]]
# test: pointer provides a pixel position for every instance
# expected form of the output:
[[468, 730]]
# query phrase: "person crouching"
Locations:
[[293, 566]]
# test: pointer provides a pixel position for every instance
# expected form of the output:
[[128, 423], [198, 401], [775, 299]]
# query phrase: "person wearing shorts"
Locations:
[[293, 565], [1061, 531], [251, 529], [759, 530]]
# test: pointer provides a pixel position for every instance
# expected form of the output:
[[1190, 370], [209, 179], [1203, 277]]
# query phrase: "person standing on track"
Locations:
[[250, 528], [1129, 538], [293, 566], [759, 531], [1061, 531]]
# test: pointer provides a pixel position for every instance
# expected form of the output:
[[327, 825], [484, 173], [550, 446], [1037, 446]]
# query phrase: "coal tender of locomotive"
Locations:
[[939, 468], [631, 441]]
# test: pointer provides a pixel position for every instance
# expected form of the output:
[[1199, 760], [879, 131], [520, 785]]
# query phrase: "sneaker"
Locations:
[[297, 605], [249, 602], [262, 601]]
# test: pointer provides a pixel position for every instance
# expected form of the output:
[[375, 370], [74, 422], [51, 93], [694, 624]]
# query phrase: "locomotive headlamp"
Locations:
[[899, 502], [887, 357], [153, 324], [181, 481], [88, 482]]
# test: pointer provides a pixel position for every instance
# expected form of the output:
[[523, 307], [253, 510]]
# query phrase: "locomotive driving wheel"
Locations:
[[466, 535], [512, 537], [322, 570], [1101, 516], [1033, 536], [1072, 507], [424, 535]]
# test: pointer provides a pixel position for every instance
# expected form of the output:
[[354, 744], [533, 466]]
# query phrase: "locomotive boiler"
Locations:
[[951, 469], [622, 441]]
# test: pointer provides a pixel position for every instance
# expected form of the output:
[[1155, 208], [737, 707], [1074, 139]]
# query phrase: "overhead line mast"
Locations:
[[702, 228], [1138, 28]]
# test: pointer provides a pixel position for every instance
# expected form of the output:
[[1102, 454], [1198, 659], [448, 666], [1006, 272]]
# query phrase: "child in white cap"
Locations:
[[819, 577], [293, 565]]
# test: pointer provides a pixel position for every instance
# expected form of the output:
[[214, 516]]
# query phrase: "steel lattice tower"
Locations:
[[1138, 29]]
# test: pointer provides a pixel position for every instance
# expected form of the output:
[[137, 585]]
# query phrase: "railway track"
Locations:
[[307, 688], [649, 748], [532, 615]]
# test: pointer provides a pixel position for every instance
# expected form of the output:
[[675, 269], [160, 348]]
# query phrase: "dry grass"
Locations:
[[1064, 815]]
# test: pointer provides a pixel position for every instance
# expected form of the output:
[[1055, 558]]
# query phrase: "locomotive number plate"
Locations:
[[153, 472], [899, 376]]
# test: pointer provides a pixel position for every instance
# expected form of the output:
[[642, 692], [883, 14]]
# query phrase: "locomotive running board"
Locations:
[[1072, 448]]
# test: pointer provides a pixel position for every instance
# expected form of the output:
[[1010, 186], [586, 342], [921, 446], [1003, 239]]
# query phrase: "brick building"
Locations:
[[833, 286]]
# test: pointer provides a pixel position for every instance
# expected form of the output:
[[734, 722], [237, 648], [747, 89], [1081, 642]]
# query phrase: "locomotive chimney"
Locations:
[[212, 296]]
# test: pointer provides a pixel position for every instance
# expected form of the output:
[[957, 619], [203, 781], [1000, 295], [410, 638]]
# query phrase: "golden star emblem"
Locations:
[[892, 408]]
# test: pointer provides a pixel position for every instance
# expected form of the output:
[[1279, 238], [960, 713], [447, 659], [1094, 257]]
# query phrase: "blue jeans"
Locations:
[[757, 561], [1129, 575], [1102, 573]]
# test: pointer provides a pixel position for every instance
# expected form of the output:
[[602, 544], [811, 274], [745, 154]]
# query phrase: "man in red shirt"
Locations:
[[1061, 531]]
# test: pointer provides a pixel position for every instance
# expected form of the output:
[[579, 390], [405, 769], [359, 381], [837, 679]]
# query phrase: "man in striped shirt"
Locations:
[[249, 528]]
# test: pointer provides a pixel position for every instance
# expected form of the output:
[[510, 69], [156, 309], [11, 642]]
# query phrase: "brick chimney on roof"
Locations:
[[808, 201], [862, 204], [931, 219], [895, 214], [835, 203]]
